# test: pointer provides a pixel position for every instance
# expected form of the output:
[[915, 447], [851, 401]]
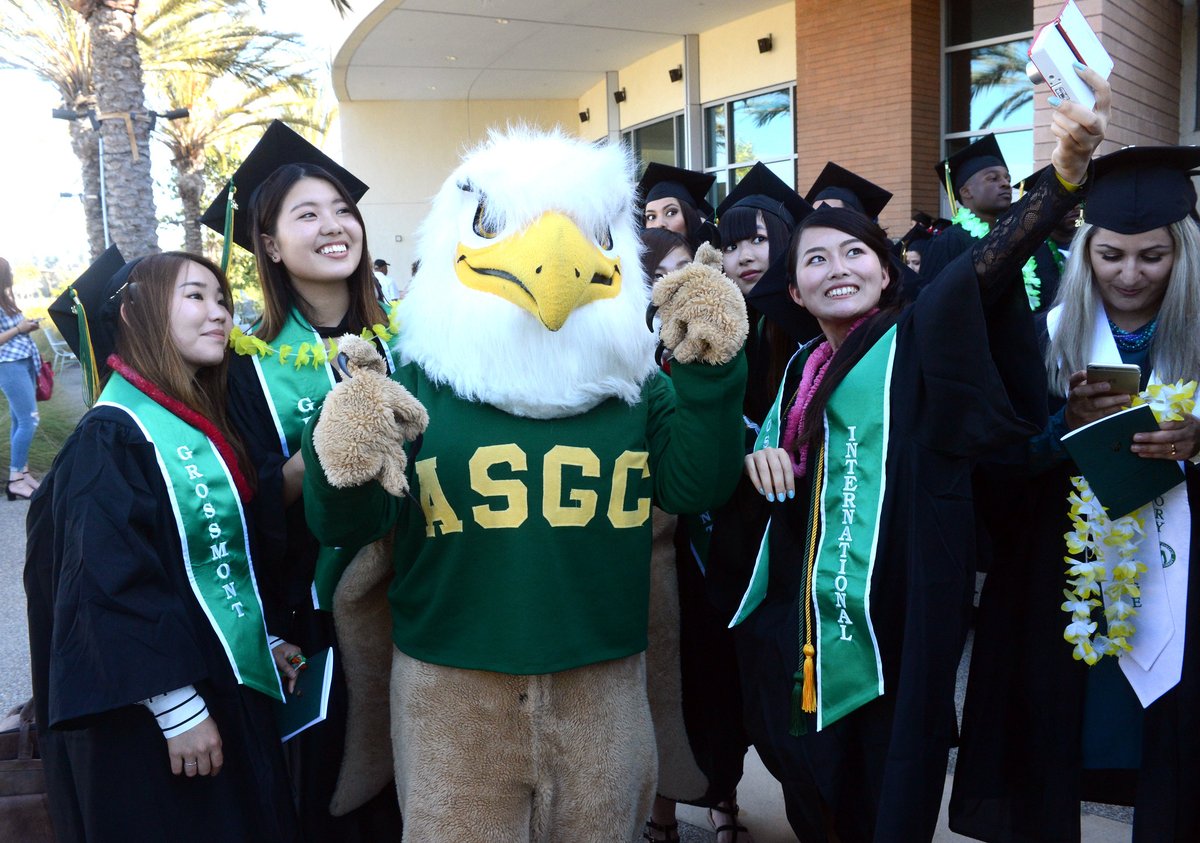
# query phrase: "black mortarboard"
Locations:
[[96, 289], [915, 236], [660, 181], [836, 182], [279, 145], [762, 189], [980, 155], [1140, 188]]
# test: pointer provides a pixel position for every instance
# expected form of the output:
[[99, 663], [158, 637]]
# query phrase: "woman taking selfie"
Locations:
[[850, 630], [151, 663]]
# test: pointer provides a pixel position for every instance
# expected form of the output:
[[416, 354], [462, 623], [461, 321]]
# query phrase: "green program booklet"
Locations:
[[309, 703], [1121, 479]]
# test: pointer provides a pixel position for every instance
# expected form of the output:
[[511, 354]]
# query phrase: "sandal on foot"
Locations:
[[669, 832], [734, 827]]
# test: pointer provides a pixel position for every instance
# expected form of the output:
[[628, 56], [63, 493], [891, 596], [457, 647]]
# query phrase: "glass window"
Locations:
[[978, 20], [988, 88], [741, 131], [656, 141]]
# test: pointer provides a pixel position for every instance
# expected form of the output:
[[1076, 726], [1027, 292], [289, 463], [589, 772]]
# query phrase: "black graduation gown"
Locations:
[[113, 620], [955, 240], [288, 561], [966, 379], [1019, 774]]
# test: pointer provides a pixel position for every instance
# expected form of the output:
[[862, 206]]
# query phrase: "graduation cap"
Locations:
[[913, 240], [853, 190], [278, 146], [660, 182], [762, 190], [1140, 188], [959, 167], [86, 315]]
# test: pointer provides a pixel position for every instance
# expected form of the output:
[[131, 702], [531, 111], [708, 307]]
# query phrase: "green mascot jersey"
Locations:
[[524, 545]]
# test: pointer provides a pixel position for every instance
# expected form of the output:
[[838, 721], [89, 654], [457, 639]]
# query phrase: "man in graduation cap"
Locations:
[[677, 199], [1049, 722], [979, 187]]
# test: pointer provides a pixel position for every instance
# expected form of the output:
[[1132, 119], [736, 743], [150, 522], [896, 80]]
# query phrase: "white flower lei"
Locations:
[[1107, 550]]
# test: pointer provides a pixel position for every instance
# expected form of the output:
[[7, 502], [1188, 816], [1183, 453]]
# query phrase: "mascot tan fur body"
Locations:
[[509, 468]]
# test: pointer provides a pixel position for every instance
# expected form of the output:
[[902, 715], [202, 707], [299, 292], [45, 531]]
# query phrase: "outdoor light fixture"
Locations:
[[173, 114], [765, 44], [676, 73], [619, 96], [585, 115]]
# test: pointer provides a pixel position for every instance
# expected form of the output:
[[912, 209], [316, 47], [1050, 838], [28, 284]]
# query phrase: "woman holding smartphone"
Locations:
[[19, 362], [1048, 724]]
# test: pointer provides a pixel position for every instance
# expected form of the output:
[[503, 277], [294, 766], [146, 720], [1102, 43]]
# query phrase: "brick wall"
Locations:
[[1142, 36], [868, 94]]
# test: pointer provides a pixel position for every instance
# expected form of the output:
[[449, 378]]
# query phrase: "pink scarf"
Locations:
[[814, 372]]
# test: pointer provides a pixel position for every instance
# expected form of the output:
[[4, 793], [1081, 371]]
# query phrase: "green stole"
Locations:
[[212, 533], [849, 484], [294, 395]]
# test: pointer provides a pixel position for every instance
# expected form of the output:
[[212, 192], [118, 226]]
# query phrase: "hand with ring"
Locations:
[[1174, 440], [289, 661], [197, 752]]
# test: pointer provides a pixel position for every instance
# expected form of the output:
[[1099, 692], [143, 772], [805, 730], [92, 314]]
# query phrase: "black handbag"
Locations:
[[24, 807]]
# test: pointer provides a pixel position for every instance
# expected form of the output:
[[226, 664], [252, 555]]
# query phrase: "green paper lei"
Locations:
[[977, 228]]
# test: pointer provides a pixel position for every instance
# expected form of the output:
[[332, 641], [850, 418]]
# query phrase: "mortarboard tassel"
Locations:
[[950, 191], [228, 233], [87, 354]]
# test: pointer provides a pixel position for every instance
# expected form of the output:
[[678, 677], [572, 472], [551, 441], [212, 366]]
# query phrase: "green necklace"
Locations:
[[977, 228]]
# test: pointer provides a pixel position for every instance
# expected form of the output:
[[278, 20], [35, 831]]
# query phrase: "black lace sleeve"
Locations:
[[999, 256]]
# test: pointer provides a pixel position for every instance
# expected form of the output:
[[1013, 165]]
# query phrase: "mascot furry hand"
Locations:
[[512, 460]]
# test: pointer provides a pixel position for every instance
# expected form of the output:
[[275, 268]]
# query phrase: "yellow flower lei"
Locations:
[[1103, 552], [310, 353]]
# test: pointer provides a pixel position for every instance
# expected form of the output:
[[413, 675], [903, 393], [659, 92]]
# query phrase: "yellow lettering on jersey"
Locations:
[[618, 515], [513, 491], [438, 512], [583, 506]]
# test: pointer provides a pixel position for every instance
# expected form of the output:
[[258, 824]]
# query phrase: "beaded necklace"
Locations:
[[1134, 340]]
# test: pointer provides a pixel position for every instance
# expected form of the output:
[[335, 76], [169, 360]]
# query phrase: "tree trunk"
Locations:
[[189, 180], [117, 73], [84, 144]]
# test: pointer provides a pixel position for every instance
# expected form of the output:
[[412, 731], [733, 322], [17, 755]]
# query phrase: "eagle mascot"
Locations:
[[500, 483]]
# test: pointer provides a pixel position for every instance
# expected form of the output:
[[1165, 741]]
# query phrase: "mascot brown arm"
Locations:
[[702, 314], [365, 422]]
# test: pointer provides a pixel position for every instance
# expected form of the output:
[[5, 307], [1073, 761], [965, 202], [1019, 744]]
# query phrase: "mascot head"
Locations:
[[530, 294]]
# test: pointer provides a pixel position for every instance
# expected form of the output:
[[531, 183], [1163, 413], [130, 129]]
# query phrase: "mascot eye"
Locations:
[[605, 239], [480, 225]]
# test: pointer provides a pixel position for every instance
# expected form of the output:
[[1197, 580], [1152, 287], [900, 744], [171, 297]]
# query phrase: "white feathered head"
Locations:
[[530, 293]]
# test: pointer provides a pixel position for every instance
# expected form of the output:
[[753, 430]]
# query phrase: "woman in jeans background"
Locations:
[[19, 361]]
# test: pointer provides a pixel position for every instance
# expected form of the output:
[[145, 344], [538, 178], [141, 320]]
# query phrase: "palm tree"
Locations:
[[46, 38], [121, 108], [211, 40], [1001, 66], [232, 76]]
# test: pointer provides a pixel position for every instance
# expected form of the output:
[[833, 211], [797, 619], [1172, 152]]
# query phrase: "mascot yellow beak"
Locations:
[[549, 269]]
